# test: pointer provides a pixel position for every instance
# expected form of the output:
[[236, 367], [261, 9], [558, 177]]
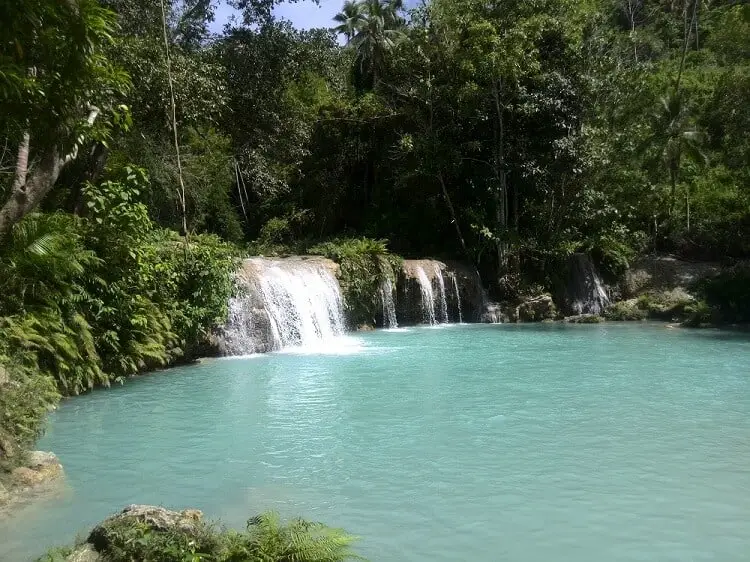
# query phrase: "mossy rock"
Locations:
[[584, 319], [626, 311]]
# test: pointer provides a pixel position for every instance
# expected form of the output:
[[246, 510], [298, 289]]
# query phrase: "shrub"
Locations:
[[365, 265]]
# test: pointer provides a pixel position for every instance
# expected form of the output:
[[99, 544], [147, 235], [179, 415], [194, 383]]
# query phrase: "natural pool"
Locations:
[[483, 443]]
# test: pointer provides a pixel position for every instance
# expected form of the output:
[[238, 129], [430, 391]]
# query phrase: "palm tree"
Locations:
[[378, 32], [674, 136], [349, 19]]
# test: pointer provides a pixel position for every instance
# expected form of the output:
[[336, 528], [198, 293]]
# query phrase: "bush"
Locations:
[[365, 265]]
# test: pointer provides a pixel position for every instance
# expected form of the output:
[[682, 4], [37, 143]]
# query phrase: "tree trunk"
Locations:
[[29, 190], [500, 193], [454, 218], [673, 190]]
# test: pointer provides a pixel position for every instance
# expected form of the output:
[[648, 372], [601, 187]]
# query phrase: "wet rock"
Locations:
[[584, 291], [495, 313], [156, 518], [536, 309]]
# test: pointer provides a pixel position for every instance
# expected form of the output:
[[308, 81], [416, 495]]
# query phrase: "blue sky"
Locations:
[[305, 14]]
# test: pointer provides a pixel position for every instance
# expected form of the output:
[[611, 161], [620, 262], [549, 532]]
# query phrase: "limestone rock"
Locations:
[[536, 309], [85, 553], [659, 273], [157, 518], [41, 468]]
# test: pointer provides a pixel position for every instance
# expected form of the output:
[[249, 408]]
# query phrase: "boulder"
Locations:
[[536, 309], [158, 519]]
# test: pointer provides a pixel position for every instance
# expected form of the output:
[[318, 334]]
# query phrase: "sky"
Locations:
[[304, 14]]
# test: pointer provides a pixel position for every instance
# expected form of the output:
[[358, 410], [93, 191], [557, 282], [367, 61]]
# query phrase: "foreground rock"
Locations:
[[156, 519], [149, 533]]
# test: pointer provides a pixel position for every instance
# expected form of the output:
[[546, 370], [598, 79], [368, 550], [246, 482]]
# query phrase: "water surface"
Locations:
[[482, 443]]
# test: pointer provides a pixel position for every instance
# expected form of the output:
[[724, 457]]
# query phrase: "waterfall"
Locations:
[[389, 306], [441, 294], [428, 297], [585, 292], [458, 297], [285, 303]]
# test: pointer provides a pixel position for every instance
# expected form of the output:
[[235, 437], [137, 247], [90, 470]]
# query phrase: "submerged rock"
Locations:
[[159, 519]]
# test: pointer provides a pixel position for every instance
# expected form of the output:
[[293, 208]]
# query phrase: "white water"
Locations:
[[288, 303], [389, 306], [428, 297], [458, 297], [441, 295]]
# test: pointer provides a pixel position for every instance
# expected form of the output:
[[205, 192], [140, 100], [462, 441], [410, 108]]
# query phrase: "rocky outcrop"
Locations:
[[41, 469], [660, 287], [657, 273]]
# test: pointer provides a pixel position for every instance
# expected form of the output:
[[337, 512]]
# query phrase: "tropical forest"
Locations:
[[485, 258]]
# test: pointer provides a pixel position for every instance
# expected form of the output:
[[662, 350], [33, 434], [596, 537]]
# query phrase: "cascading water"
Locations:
[[285, 303], [389, 305], [585, 292], [428, 296], [443, 301], [458, 297]]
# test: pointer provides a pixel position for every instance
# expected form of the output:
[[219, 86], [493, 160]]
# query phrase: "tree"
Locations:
[[378, 32], [349, 19], [673, 135], [59, 91]]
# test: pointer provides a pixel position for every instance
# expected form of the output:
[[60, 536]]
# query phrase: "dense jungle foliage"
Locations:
[[142, 154]]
